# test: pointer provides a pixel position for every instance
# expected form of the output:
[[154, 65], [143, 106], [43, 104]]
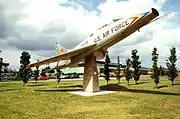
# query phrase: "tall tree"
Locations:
[[24, 73], [136, 65], [128, 73], [171, 65], [106, 68], [156, 71], [36, 72], [1, 61], [118, 70], [58, 74]]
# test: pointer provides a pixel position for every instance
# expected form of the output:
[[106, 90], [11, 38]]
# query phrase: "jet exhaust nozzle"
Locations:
[[155, 12]]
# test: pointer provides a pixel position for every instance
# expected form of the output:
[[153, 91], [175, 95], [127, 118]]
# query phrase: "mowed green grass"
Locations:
[[45, 100]]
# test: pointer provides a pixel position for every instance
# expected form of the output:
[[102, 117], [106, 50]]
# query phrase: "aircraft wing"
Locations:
[[65, 56]]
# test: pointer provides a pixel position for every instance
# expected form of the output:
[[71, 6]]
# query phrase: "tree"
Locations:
[[162, 71], [43, 73], [128, 73], [136, 65], [12, 72], [171, 65], [25, 73], [47, 69], [118, 70], [1, 61], [36, 72], [106, 68], [58, 74], [156, 71], [51, 71]]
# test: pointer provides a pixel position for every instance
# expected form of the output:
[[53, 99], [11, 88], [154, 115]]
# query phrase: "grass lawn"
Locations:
[[45, 100]]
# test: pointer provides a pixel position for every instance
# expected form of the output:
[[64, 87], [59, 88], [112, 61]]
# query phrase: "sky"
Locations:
[[36, 25]]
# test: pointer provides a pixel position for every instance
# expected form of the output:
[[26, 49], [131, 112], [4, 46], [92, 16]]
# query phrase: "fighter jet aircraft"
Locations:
[[98, 42]]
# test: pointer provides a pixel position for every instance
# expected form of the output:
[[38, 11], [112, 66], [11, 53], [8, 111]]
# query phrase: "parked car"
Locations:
[[70, 76], [75, 75], [51, 77], [65, 76], [150, 72], [42, 78]]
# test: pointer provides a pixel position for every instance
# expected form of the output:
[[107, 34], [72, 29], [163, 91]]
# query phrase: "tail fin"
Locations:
[[60, 49]]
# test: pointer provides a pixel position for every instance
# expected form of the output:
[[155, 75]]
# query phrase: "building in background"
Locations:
[[100, 68], [3, 68]]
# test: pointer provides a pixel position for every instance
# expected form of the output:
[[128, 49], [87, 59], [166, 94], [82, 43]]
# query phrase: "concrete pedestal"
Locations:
[[90, 81]]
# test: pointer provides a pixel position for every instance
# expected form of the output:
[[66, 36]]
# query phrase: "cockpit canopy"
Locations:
[[103, 26], [115, 20]]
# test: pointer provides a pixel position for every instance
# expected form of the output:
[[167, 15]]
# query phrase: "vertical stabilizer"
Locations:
[[60, 49]]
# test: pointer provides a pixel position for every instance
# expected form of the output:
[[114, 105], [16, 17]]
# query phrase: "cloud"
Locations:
[[36, 25], [112, 8]]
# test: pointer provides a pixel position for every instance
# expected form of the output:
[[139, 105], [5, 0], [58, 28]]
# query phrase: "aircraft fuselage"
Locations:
[[112, 33], [105, 37]]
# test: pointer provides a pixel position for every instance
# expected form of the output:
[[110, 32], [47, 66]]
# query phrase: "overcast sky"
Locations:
[[36, 25]]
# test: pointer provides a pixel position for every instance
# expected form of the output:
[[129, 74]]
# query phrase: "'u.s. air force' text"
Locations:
[[111, 31]]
